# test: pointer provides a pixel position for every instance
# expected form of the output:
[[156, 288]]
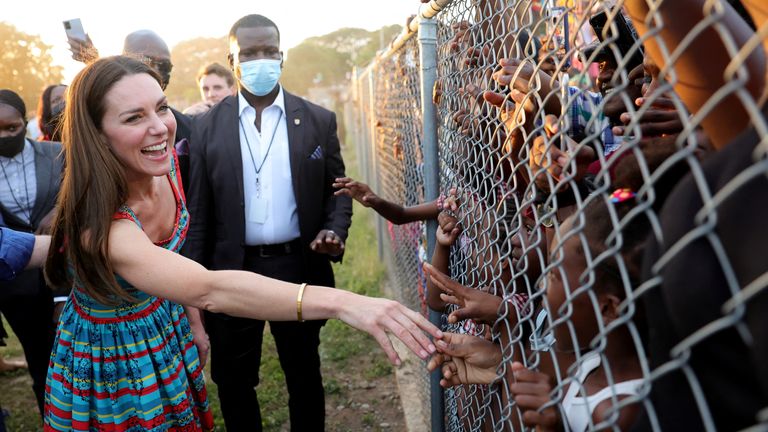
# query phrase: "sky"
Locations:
[[107, 22]]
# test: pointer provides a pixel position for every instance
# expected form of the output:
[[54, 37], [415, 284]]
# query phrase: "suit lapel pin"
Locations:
[[297, 121]]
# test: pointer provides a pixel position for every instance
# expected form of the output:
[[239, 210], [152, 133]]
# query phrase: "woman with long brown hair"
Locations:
[[124, 357]]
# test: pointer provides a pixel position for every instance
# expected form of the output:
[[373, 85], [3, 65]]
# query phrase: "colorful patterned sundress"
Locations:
[[130, 367]]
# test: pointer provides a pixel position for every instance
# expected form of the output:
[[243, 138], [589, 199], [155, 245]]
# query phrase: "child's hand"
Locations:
[[473, 304], [531, 391], [465, 359], [448, 228], [545, 155], [356, 190]]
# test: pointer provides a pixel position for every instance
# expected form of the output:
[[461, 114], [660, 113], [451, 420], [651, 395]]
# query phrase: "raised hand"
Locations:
[[531, 391], [661, 119], [473, 304], [356, 190], [545, 155], [448, 229], [516, 113], [83, 50], [521, 75], [465, 359]]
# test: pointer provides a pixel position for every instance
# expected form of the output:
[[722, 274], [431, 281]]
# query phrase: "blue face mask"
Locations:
[[260, 76]]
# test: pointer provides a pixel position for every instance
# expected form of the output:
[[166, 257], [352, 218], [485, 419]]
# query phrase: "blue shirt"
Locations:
[[15, 252]]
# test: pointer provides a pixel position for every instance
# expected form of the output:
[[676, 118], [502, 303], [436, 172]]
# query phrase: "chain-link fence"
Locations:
[[602, 242], [390, 107]]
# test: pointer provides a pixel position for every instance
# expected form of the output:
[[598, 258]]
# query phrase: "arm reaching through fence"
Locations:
[[395, 213], [473, 303], [697, 74], [465, 359]]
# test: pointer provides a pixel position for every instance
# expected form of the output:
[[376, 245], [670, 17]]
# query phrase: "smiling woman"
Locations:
[[124, 355]]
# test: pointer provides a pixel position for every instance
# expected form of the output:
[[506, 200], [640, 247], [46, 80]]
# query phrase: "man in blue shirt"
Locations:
[[19, 251]]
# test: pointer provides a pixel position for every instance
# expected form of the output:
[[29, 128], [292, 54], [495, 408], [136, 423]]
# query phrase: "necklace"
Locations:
[[25, 210]]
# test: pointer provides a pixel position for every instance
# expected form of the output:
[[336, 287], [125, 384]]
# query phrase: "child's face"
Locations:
[[573, 310]]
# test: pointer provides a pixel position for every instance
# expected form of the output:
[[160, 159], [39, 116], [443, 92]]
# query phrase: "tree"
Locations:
[[324, 61], [188, 57], [26, 64]]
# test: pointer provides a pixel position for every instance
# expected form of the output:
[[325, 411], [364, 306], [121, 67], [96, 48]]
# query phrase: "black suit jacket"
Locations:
[[49, 163], [216, 203], [183, 132]]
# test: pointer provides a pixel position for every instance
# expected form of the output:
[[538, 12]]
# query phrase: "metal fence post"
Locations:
[[428, 53], [376, 181]]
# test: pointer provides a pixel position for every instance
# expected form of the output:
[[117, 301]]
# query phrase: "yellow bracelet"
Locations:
[[298, 301]]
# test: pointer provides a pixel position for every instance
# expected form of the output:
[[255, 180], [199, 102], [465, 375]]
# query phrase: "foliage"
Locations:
[[325, 61], [320, 61], [26, 64], [188, 57]]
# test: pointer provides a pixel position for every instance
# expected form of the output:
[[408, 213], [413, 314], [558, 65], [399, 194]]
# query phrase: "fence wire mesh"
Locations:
[[393, 111], [605, 266]]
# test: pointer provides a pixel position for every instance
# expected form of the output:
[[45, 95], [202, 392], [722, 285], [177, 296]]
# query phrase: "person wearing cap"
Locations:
[[30, 173]]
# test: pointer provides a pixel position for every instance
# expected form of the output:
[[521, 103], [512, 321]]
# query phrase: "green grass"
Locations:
[[16, 395]]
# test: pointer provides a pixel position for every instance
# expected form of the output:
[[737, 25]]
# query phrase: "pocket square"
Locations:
[[317, 153]]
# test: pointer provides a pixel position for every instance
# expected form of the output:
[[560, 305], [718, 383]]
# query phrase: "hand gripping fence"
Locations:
[[609, 163]]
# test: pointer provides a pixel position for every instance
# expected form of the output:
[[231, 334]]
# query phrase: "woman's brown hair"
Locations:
[[93, 187]]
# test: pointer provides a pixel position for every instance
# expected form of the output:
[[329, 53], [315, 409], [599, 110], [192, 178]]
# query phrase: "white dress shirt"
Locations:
[[18, 182], [271, 216]]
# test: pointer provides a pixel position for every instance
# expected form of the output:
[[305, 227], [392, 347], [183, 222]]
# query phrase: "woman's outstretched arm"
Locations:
[[163, 273]]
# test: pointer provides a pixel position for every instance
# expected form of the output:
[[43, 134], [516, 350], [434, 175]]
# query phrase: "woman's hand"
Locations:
[[465, 359], [378, 316], [473, 304]]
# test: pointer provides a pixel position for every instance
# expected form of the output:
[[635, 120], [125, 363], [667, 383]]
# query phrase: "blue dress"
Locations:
[[130, 367]]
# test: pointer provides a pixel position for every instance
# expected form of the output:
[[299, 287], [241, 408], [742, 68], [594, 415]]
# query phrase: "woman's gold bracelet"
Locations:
[[298, 301]]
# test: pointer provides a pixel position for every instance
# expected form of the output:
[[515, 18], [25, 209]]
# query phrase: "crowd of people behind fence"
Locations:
[[592, 257], [599, 254]]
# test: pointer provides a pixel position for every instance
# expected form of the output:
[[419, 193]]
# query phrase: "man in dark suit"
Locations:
[[261, 199], [29, 183]]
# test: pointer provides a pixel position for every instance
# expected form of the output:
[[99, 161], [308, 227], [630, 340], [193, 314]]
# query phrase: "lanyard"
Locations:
[[266, 154]]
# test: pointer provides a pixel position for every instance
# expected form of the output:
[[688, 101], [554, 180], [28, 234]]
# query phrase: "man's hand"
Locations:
[[83, 50], [327, 242], [356, 190]]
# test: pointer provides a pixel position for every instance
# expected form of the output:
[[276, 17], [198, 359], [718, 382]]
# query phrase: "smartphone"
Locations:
[[74, 29], [558, 33], [625, 39]]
